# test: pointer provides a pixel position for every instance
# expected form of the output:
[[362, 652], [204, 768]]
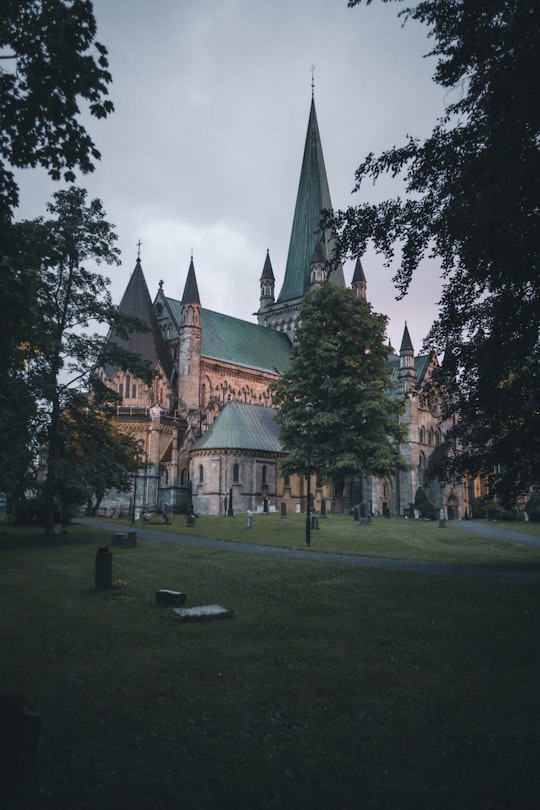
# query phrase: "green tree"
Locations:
[[472, 202], [66, 355], [51, 62], [52, 68], [96, 457], [339, 363]]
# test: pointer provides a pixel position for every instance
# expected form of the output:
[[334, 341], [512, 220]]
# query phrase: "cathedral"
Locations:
[[206, 424]]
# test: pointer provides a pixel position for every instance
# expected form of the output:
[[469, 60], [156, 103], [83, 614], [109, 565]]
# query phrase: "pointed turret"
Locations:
[[407, 370], [318, 266], [136, 301], [191, 290], [312, 199], [359, 283], [267, 282], [189, 359]]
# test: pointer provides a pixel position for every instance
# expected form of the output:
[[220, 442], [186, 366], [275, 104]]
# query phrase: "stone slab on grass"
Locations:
[[168, 597], [201, 613]]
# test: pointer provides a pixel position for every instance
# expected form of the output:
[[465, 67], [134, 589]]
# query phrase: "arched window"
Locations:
[[183, 477], [121, 390], [128, 386], [134, 391], [236, 474], [264, 474], [422, 435], [287, 480], [201, 474]]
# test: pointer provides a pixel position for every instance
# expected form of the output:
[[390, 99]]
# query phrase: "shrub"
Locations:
[[424, 505]]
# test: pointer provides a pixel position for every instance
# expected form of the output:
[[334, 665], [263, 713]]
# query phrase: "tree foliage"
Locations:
[[96, 455], [472, 202], [50, 63], [339, 364], [62, 356]]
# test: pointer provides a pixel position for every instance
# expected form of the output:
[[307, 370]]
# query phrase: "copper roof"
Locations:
[[241, 426], [313, 197]]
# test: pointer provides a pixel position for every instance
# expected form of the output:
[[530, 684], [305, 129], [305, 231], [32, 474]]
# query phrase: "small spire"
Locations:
[[191, 291], [139, 243]]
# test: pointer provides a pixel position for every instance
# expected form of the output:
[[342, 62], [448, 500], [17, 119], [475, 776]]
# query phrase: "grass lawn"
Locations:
[[332, 687], [396, 538]]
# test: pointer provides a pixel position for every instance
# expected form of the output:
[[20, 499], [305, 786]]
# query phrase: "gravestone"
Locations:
[[323, 509], [168, 597], [103, 569], [128, 540], [20, 726], [190, 521], [283, 509]]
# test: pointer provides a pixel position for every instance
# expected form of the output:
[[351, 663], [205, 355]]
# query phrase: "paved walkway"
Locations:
[[495, 531], [414, 566]]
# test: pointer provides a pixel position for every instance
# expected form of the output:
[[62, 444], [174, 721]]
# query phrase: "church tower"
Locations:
[[407, 370], [312, 199], [267, 290], [189, 355], [359, 283]]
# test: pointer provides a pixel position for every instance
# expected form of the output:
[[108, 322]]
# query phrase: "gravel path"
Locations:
[[414, 566]]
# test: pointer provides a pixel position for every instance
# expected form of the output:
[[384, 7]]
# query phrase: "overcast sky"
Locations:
[[203, 152]]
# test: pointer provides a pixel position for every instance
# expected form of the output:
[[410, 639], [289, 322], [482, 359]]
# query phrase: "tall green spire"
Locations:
[[313, 197]]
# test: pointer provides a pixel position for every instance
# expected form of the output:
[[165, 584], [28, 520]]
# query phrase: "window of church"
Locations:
[[121, 390], [236, 474], [134, 391], [201, 474], [128, 386], [264, 474], [183, 477]]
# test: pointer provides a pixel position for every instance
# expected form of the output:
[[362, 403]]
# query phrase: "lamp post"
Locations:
[[309, 409]]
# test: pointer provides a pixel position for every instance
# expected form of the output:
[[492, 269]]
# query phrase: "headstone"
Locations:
[[249, 521], [167, 597], [190, 521], [356, 515], [128, 540], [201, 613], [314, 522], [103, 569], [283, 509], [20, 726], [265, 505], [323, 509]]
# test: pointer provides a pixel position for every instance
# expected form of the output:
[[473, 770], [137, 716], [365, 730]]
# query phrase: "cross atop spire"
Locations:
[[139, 243], [313, 68]]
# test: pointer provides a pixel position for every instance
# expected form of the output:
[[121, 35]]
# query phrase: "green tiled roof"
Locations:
[[421, 364], [313, 197], [233, 340], [242, 427]]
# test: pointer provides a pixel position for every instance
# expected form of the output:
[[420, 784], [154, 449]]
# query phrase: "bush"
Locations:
[[424, 505], [533, 507]]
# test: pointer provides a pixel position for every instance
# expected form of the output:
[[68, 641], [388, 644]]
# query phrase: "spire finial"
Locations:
[[313, 69], [139, 243]]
